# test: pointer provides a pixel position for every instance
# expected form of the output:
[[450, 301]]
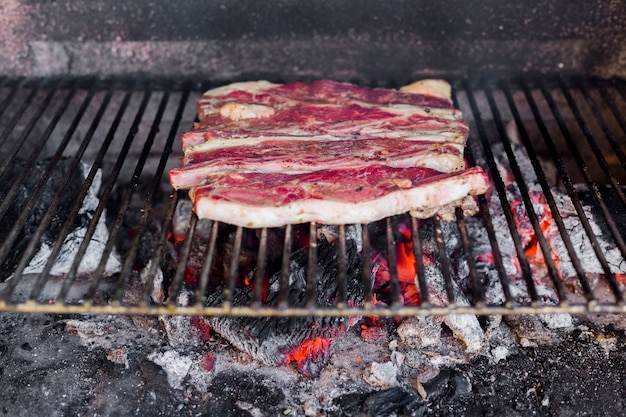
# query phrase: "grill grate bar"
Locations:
[[15, 119], [208, 263], [229, 288], [71, 276], [134, 246], [594, 145], [501, 190], [593, 104], [491, 234], [446, 270], [105, 195], [392, 259], [161, 242], [45, 221], [478, 292], [342, 280], [11, 194], [260, 269], [573, 194], [593, 185], [311, 292], [9, 98], [177, 283], [541, 178], [181, 270], [284, 272], [419, 263], [525, 194], [367, 267]]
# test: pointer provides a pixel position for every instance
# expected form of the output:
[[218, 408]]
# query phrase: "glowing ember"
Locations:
[[310, 351], [204, 330], [208, 361], [407, 270]]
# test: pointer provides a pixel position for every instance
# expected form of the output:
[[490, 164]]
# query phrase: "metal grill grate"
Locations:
[[548, 238]]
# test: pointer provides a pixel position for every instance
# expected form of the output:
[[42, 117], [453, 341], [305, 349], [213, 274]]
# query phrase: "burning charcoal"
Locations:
[[24, 193], [394, 401], [305, 340], [245, 394], [465, 327], [70, 246]]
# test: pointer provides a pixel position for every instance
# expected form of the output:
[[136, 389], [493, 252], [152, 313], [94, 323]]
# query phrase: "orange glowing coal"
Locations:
[[532, 250], [308, 349]]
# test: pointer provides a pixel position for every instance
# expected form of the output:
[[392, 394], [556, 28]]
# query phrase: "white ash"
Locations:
[[158, 292], [175, 365], [557, 321], [500, 353], [72, 242], [581, 243], [109, 332], [182, 217], [465, 327], [331, 233], [382, 375]]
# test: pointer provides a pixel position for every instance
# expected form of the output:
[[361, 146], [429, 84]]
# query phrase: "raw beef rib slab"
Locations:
[[333, 196], [266, 155]]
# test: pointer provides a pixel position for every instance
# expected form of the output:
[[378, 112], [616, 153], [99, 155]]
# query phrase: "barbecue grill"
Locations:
[[125, 130]]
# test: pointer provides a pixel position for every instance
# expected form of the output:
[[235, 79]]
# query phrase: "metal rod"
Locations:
[[444, 262], [487, 222], [566, 179], [87, 184], [21, 110], [183, 257], [392, 261], [367, 266], [26, 211], [129, 262], [207, 265], [14, 89], [51, 210], [525, 195], [593, 104], [501, 191], [104, 196], [593, 144], [419, 263], [285, 266], [157, 256], [342, 284], [229, 287], [478, 292], [260, 268], [311, 279], [547, 192], [156, 182]]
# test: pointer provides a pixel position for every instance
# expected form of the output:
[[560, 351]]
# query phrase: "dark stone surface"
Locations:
[[354, 39]]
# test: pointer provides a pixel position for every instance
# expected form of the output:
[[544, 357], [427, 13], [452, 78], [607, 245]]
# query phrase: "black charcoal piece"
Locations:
[[306, 340], [19, 203]]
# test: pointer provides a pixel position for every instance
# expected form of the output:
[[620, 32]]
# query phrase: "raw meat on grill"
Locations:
[[333, 196], [277, 156], [424, 93], [236, 120], [266, 155]]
